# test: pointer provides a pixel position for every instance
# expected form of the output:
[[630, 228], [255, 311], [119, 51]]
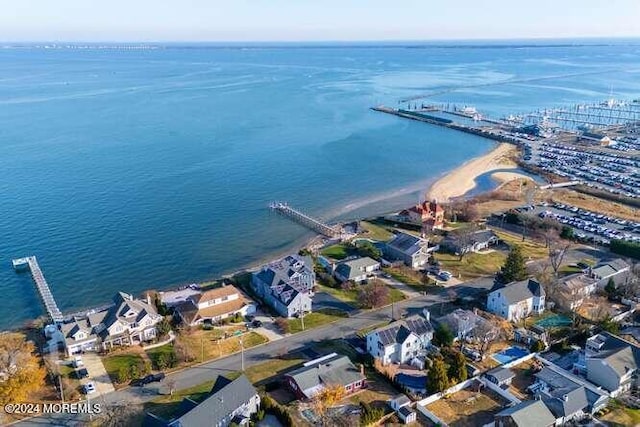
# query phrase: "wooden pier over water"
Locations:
[[306, 220], [41, 284]]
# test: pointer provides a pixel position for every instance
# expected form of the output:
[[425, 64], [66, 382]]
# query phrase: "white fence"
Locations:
[[437, 396], [516, 362], [430, 415], [505, 394]]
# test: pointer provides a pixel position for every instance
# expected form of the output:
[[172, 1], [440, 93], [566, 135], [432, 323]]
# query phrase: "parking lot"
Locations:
[[591, 226]]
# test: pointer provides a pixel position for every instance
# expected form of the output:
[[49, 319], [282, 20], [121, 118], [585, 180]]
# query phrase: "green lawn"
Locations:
[[339, 251], [621, 415], [113, 363], [566, 270], [395, 295], [315, 319], [530, 248], [472, 265], [407, 276], [375, 232], [350, 297], [154, 353], [274, 367]]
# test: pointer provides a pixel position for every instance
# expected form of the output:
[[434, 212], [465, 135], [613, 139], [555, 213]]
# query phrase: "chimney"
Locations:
[[362, 369]]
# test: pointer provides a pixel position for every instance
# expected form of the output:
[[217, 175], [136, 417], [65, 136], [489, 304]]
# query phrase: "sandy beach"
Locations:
[[461, 180]]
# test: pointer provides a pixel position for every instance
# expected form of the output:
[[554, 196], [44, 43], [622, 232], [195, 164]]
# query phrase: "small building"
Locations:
[[326, 371], [230, 402], [616, 269], [214, 305], [500, 376], [574, 289], [531, 334], [286, 285], [402, 341], [598, 138], [401, 404], [356, 270], [517, 300], [530, 413], [413, 251], [467, 243]]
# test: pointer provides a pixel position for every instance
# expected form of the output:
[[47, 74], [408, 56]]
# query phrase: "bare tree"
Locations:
[[486, 334], [464, 238], [631, 285], [557, 252]]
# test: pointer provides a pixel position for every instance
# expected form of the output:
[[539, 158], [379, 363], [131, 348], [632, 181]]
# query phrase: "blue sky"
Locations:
[[302, 20]]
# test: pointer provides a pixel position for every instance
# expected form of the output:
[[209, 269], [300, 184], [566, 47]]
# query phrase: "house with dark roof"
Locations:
[[612, 363], [468, 326], [616, 269], [356, 270], [128, 321], [500, 376], [327, 371], [229, 402], [467, 243], [286, 285], [402, 341], [214, 305], [410, 249], [401, 404], [530, 413], [517, 300]]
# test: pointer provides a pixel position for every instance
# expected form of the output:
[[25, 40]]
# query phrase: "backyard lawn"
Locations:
[[473, 265], [530, 248], [114, 362], [350, 297], [375, 232], [621, 415], [467, 408], [339, 251], [315, 319]]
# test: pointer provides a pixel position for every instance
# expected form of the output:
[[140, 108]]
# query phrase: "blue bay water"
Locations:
[[140, 169]]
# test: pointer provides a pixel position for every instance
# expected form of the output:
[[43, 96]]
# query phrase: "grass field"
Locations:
[[350, 297], [407, 276], [395, 295], [205, 345], [530, 249], [375, 232], [473, 265], [339, 251], [273, 367], [467, 408], [113, 362], [315, 319], [154, 353], [621, 415]]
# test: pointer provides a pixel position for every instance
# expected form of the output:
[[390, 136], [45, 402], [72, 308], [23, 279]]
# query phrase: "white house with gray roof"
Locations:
[[230, 402], [517, 300], [286, 285], [402, 341], [356, 270], [326, 371], [612, 363], [128, 321], [616, 269], [412, 250]]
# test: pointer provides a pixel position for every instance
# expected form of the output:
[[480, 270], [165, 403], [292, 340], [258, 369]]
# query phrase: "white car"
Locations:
[[77, 362], [89, 388]]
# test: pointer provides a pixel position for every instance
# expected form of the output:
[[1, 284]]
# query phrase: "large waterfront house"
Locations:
[[327, 371], [411, 250], [214, 305], [128, 321], [612, 363], [286, 285], [356, 270], [230, 402], [430, 215], [517, 300], [403, 341]]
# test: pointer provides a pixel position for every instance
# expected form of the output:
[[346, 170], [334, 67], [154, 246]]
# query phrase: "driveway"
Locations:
[[268, 328], [97, 373], [402, 287], [325, 300]]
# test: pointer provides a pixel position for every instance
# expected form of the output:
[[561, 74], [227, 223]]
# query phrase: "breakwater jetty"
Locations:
[[31, 263], [308, 221]]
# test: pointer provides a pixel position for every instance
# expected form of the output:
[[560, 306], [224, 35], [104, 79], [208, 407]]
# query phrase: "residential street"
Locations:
[[208, 371]]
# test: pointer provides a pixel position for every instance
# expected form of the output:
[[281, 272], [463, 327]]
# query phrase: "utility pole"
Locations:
[[202, 349], [61, 388], [241, 353], [301, 315]]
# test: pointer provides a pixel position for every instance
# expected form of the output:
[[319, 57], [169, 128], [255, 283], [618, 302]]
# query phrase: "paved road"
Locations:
[[210, 370]]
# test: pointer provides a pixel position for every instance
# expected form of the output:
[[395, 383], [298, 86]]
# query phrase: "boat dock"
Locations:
[[306, 220], [41, 284]]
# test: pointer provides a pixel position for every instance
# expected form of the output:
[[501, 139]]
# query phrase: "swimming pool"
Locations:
[[554, 321], [509, 354]]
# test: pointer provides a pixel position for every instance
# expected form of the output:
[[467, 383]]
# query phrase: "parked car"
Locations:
[[82, 373], [140, 382], [445, 275], [77, 362], [89, 388], [256, 323]]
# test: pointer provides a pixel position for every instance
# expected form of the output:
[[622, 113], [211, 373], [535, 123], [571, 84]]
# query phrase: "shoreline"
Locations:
[[461, 180]]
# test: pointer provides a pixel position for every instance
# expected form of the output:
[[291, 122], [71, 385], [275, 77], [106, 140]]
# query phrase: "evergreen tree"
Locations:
[[437, 379], [443, 337], [514, 268], [457, 367]]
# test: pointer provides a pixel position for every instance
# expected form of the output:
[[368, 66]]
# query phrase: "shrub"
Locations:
[[123, 375], [625, 248]]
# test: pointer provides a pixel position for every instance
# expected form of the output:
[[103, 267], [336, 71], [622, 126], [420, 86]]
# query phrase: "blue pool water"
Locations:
[[139, 169], [509, 354]]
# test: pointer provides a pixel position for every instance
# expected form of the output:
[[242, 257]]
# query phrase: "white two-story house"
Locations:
[[612, 363], [517, 300], [402, 341], [214, 305]]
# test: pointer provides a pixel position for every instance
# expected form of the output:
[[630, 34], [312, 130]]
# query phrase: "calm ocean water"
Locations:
[[137, 169]]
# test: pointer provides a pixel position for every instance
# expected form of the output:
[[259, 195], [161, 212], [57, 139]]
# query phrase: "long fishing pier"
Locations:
[[41, 284], [304, 219]]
